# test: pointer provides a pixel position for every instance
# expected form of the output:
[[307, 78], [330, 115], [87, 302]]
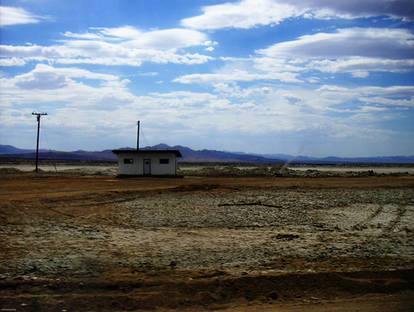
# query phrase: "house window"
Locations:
[[164, 161], [128, 161]]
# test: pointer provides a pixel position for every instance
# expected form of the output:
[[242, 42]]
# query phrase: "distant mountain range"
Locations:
[[189, 155], [8, 151]]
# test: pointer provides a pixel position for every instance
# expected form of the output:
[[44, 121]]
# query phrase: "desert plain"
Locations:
[[87, 242]]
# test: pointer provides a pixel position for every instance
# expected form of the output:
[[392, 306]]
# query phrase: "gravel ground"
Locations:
[[234, 231], [249, 228]]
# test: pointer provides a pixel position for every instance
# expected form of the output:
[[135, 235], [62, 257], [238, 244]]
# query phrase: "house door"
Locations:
[[147, 166]]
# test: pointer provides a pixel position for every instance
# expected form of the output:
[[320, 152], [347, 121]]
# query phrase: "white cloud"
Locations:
[[357, 51], [108, 61], [88, 36], [184, 99], [360, 74], [41, 80], [115, 46], [13, 61], [236, 75], [46, 84], [169, 39], [348, 42], [124, 32], [148, 74], [14, 16], [368, 109], [355, 65], [356, 9], [47, 77], [277, 64], [165, 39], [243, 14], [393, 91], [251, 13], [409, 102]]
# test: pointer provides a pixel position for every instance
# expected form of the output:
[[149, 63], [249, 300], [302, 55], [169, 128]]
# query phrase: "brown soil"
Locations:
[[93, 243]]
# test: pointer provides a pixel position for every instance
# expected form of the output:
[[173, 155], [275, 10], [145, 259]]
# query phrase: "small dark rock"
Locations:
[[273, 296], [287, 236]]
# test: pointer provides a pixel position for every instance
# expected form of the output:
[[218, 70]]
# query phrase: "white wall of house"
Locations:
[[130, 163]]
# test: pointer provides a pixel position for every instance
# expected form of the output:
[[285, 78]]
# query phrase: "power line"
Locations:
[[144, 139], [52, 156]]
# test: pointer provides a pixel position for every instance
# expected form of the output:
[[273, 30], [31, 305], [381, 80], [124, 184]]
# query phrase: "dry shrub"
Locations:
[[10, 171]]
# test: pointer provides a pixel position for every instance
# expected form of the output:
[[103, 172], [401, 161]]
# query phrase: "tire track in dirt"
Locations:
[[21, 212], [364, 224], [387, 218], [259, 203], [393, 223]]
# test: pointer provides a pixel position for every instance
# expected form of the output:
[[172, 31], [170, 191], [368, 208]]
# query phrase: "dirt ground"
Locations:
[[99, 243]]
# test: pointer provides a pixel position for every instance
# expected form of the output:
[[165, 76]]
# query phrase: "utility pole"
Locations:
[[38, 130], [138, 122]]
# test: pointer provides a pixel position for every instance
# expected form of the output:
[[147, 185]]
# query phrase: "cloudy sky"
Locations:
[[309, 77]]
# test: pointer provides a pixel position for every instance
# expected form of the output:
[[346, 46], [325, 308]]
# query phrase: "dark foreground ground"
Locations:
[[98, 243]]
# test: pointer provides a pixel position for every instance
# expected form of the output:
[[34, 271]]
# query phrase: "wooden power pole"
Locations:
[[38, 130], [138, 122]]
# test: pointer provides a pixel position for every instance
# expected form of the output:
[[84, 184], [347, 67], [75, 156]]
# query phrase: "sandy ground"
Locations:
[[99, 243]]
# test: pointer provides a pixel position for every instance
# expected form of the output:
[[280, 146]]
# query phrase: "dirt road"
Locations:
[[231, 244]]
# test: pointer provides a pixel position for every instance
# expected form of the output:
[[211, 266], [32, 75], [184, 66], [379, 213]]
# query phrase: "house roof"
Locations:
[[145, 151]]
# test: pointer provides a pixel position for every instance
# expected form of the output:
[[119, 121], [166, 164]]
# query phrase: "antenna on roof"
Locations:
[[138, 122], [38, 115]]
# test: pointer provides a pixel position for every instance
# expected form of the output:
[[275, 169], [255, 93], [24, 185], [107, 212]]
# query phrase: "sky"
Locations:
[[302, 77]]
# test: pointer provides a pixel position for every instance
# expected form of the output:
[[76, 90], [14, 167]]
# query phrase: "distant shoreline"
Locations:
[[293, 165]]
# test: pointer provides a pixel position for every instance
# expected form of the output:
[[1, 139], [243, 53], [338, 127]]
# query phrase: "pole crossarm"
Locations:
[[39, 114]]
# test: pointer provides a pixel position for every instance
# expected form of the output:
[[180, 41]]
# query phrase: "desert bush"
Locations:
[[9, 171]]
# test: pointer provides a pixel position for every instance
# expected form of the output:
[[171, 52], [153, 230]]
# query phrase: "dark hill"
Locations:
[[190, 155], [214, 156]]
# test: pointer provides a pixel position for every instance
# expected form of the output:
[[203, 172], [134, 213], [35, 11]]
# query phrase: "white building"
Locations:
[[147, 162]]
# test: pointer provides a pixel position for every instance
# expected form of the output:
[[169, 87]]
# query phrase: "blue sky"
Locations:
[[309, 77]]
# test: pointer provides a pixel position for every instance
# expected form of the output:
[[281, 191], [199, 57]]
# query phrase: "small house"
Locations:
[[147, 162]]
